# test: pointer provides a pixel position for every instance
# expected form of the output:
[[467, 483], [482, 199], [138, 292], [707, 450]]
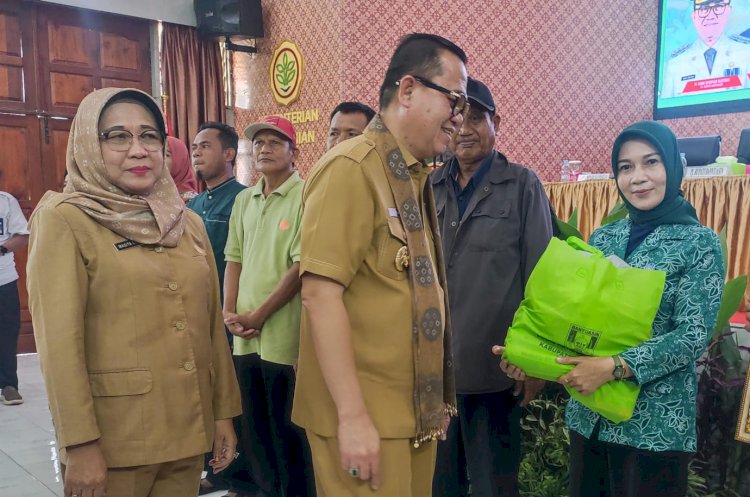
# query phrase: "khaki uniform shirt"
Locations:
[[131, 340], [351, 236]]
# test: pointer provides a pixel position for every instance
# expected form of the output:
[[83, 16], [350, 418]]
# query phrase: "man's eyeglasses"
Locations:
[[459, 102], [122, 140], [705, 10]]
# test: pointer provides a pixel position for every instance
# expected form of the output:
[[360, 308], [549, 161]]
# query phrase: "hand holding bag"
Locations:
[[580, 301]]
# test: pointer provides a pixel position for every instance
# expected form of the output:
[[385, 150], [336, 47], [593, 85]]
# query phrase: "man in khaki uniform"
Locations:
[[375, 379]]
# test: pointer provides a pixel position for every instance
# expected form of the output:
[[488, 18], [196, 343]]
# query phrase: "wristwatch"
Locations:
[[619, 371], [3, 250]]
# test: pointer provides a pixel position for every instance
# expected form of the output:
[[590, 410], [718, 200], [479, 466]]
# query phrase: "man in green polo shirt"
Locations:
[[262, 302]]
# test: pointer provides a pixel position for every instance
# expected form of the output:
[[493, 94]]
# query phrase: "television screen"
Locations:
[[703, 58]]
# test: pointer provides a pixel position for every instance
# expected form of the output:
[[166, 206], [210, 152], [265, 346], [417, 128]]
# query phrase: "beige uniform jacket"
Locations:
[[131, 339], [351, 234]]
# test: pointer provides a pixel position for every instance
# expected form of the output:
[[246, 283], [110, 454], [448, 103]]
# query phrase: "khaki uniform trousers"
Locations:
[[169, 479], [404, 470]]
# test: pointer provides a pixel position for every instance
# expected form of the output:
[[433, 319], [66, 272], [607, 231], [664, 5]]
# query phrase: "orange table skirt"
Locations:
[[719, 202]]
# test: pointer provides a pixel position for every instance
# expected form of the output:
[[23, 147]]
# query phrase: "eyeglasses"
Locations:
[[705, 10], [122, 140], [459, 102]]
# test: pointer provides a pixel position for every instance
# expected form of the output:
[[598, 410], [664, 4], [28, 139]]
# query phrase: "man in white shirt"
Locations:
[[714, 61], [14, 235]]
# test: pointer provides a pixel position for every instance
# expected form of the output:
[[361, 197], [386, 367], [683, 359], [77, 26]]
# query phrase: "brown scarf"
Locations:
[[434, 384], [154, 219]]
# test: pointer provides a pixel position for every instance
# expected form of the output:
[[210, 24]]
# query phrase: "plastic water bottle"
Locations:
[[683, 159], [565, 171]]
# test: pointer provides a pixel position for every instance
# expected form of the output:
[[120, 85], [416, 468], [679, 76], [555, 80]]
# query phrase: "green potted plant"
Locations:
[[720, 459]]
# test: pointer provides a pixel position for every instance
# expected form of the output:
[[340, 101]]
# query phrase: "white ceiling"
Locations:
[[174, 11]]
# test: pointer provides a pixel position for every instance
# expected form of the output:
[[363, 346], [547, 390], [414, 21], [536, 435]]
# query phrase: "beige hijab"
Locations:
[[157, 218]]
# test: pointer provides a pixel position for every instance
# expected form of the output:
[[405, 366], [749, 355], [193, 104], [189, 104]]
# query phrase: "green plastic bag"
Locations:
[[578, 299], [615, 400], [587, 304]]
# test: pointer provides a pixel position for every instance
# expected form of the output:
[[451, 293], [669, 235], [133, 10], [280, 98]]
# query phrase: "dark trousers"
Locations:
[[255, 469], [292, 457], [276, 454], [602, 469], [485, 442], [10, 324]]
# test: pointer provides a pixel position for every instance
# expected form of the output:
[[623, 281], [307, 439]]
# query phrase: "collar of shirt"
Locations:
[[475, 179], [282, 190], [463, 196], [417, 168], [224, 183], [720, 43]]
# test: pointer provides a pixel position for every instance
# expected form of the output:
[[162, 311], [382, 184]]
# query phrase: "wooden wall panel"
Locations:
[[53, 167], [17, 83], [67, 90], [124, 83], [120, 53], [11, 83], [20, 174], [69, 45], [17, 153], [10, 35], [81, 51]]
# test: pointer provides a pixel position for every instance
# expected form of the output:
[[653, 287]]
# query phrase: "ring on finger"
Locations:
[[354, 472]]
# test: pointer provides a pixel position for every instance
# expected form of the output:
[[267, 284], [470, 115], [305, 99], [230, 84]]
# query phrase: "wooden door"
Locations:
[[80, 52], [51, 57], [21, 176], [18, 89], [54, 133]]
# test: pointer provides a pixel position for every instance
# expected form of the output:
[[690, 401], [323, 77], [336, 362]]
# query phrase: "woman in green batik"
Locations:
[[648, 455]]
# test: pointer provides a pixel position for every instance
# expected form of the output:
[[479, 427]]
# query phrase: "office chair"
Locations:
[[743, 149], [700, 150]]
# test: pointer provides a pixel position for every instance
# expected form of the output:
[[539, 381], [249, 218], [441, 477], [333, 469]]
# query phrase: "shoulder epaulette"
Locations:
[[358, 149], [680, 50], [742, 37]]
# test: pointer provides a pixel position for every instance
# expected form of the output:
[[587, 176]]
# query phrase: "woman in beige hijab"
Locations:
[[124, 297]]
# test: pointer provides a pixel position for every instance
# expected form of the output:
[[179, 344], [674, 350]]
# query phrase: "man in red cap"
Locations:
[[262, 305]]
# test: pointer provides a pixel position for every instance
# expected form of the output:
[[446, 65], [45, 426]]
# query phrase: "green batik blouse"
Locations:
[[664, 366]]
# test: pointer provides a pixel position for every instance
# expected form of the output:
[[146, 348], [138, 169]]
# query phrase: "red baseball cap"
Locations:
[[273, 123]]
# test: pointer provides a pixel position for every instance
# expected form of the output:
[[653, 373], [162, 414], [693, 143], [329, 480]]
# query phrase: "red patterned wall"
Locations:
[[567, 76], [316, 28]]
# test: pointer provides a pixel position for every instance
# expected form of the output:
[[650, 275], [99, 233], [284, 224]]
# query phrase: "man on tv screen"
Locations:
[[714, 61]]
